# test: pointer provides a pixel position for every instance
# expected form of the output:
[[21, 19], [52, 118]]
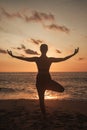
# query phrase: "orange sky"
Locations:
[[26, 24]]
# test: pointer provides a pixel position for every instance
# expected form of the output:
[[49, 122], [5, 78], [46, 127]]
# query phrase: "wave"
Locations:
[[11, 90], [7, 90]]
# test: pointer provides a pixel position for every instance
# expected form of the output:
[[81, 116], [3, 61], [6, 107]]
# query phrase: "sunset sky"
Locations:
[[26, 24]]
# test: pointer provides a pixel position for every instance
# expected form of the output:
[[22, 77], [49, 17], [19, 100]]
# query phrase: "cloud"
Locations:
[[58, 51], [37, 42], [35, 16], [10, 15], [56, 27], [81, 58], [39, 17], [23, 46], [20, 48], [29, 51], [2, 51]]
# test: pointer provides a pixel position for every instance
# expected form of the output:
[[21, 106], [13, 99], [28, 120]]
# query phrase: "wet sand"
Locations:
[[25, 114]]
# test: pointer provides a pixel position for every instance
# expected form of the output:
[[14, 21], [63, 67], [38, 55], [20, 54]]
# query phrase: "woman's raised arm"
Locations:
[[65, 58], [30, 59]]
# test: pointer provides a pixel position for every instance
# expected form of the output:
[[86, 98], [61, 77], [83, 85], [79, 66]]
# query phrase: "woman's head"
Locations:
[[43, 48]]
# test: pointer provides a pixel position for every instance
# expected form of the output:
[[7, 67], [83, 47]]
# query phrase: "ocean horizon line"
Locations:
[[50, 72]]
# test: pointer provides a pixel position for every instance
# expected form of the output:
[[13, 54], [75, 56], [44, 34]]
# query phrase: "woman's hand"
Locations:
[[76, 51], [10, 53]]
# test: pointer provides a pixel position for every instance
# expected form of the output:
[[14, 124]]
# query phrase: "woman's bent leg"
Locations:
[[54, 86]]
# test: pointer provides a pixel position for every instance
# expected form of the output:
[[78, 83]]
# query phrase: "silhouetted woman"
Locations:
[[43, 79]]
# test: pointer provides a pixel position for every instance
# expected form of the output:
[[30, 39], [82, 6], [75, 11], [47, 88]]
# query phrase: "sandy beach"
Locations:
[[25, 114]]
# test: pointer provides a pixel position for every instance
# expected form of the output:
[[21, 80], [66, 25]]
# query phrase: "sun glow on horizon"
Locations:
[[55, 95]]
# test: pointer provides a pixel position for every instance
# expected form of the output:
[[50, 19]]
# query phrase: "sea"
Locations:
[[21, 85]]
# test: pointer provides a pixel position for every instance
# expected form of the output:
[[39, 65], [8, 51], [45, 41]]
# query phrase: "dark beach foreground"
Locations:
[[21, 114]]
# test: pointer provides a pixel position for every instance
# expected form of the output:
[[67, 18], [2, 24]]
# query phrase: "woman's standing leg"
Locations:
[[41, 100]]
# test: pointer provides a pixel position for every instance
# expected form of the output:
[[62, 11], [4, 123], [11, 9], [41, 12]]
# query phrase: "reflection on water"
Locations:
[[55, 95], [48, 95]]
